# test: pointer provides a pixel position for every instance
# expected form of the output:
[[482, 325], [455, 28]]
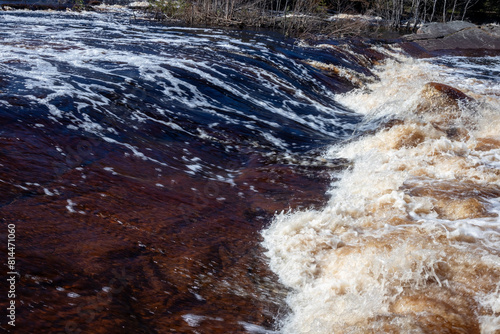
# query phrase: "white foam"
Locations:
[[255, 329], [71, 39], [195, 167], [400, 224], [194, 320], [70, 206], [48, 192]]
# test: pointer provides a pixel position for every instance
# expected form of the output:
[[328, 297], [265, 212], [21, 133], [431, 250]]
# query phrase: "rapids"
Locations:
[[145, 167], [409, 241]]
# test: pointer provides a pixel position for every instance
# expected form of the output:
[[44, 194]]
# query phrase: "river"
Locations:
[[204, 180]]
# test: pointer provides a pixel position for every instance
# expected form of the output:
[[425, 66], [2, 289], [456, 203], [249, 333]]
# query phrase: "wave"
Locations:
[[134, 84], [410, 238]]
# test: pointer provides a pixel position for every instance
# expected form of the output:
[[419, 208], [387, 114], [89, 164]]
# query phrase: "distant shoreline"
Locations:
[[460, 38]]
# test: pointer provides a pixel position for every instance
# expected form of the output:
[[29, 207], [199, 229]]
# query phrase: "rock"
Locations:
[[448, 92], [456, 36], [492, 29], [138, 5], [355, 17], [473, 38], [441, 99], [441, 105], [437, 30]]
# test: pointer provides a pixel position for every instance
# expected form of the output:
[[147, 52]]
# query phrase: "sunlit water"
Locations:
[[163, 152], [409, 241]]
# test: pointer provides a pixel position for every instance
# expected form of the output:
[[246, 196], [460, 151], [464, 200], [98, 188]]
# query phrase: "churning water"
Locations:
[[409, 241], [191, 82], [165, 151]]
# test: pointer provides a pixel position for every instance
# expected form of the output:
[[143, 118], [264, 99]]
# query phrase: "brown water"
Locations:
[[167, 179], [140, 162], [409, 240]]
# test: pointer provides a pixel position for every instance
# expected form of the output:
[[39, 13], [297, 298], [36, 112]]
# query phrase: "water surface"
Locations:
[[139, 163]]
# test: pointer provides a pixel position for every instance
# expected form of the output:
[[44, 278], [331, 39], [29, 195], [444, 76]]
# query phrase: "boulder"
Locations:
[[456, 35], [441, 105], [437, 29], [472, 38], [492, 30], [441, 99], [450, 94]]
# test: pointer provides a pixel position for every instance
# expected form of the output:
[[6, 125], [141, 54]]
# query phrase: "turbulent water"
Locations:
[[409, 241], [140, 161], [157, 156]]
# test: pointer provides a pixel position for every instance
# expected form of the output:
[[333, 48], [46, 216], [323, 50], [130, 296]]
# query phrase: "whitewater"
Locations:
[[409, 241], [240, 181]]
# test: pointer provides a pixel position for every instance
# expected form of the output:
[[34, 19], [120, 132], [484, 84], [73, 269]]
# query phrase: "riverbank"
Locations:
[[302, 22], [420, 40]]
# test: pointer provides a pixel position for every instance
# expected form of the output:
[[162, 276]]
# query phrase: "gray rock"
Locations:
[[456, 35], [437, 30], [471, 38], [138, 5], [492, 29]]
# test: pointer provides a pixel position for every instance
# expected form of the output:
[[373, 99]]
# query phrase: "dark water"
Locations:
[[139, 163], [145, 168]]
